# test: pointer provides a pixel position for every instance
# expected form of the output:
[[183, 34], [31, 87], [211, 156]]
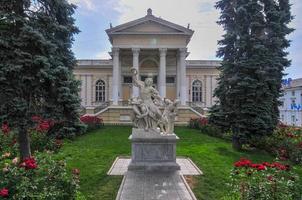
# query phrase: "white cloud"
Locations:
[[88, 4], [103, 55], [201, 15]]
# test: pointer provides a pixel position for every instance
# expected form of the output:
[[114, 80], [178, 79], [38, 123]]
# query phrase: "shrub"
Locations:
[[203, 125], [92, 122], [284, 143], [37, 178], [266, 181]]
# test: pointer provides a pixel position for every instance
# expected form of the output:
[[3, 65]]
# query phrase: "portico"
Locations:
[[160, 72]]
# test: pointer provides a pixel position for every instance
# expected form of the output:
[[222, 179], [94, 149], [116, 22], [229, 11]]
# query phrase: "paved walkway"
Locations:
[[187, 167], [139, 185]]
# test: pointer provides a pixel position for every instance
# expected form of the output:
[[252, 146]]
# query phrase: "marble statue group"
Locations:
[[148, 107]]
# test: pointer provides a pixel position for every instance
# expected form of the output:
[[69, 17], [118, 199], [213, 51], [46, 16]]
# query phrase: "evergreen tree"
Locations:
[[36, 66], [252, 68]]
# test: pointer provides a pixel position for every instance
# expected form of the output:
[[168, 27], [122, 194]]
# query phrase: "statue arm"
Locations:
[[136, 82]]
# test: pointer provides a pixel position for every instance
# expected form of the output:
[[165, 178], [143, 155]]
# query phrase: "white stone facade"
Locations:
[[154, 47]]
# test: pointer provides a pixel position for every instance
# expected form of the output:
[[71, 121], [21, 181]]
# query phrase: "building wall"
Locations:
[[90, 74], [288, 114]]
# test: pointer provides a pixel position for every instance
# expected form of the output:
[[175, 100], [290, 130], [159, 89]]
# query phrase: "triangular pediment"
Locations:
[[149, 25]]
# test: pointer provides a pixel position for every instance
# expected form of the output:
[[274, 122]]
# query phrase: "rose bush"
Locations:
[[39, 177], [265, 181], [92, 122], [203, 125], [285, 143]]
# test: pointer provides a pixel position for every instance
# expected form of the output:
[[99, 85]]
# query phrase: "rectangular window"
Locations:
[[128, 79], [170, 79], [293, 93], [143, 77]]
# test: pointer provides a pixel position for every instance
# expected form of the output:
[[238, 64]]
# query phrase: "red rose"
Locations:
[[243, 163], [5, 128], [29, 163], [4, 192], [261, 167]]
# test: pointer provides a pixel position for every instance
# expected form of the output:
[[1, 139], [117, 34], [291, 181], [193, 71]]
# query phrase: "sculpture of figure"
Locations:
[[146, 107], [168, 117], [148, 95]]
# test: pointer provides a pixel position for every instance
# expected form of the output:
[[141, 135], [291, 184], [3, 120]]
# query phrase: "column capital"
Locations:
[[163, 51], [135, 51], [182, 51], [115, 50]]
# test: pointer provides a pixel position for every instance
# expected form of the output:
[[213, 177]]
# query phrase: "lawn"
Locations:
[[94, 153]]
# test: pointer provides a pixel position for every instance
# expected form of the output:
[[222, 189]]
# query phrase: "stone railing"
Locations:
[[94, 62], [203, 63]]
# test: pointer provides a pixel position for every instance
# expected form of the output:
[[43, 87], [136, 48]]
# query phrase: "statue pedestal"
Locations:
[[152, 151]]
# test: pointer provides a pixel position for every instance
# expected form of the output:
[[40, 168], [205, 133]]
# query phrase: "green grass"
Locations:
[[94, 153]]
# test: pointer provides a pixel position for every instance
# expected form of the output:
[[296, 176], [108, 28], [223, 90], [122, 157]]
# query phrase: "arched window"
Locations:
[[100, 91], [197, 91]]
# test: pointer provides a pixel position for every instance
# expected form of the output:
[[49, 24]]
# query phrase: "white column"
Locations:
[[183, 77], [162, 72], [178, 76], [135, 51], [115, 76], [83, 88], [89, 90]]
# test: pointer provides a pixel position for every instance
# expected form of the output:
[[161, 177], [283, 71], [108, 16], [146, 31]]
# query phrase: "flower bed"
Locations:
[[203, 125], [263, 181], [92, 122], [39, 177], [285, 143]]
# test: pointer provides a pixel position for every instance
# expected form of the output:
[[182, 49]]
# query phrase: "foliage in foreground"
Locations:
[[265, 181], [39, 177], [36, 65], [254, 56]]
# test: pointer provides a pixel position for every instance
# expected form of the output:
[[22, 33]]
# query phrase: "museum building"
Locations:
[[156, 48]]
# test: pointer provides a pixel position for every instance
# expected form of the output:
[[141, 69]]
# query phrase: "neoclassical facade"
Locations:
[[157, 48]]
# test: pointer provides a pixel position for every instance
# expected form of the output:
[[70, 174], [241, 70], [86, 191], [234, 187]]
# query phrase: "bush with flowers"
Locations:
[[92, 122], [285, 143], [203, 125], [39, 177], [266, 181]]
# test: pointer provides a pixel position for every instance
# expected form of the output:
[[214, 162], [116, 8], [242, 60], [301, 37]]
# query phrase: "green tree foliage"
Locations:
[[36, 66], [254, 58]]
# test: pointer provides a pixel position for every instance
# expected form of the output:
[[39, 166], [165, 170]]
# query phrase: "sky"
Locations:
[[93, 17]]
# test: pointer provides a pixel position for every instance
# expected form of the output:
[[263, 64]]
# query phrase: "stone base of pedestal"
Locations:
[[152, 151]]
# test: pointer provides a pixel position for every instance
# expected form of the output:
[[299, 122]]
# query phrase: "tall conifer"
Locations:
[[252, 68]]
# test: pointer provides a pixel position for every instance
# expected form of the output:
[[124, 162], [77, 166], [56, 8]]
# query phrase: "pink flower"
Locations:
[[4, 192], [15, 161]]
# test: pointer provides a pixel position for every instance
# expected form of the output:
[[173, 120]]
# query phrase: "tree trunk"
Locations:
[[24, 143], [236, 143]]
